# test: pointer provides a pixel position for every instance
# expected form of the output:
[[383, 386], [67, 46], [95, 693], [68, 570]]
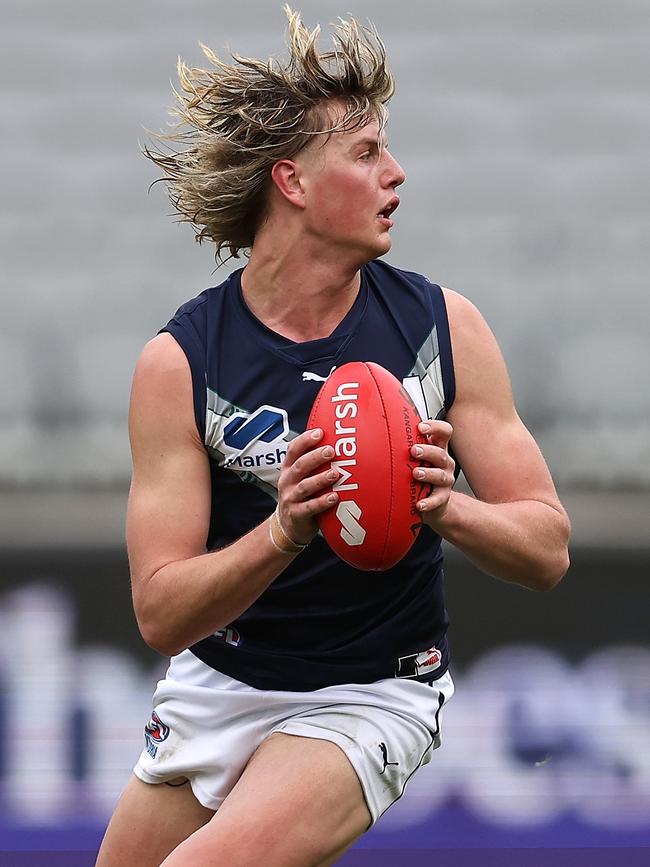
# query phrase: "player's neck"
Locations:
[[302, 298]]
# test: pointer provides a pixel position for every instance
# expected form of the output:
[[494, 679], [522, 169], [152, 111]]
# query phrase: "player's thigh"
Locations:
[[149, 822], [297, 804]]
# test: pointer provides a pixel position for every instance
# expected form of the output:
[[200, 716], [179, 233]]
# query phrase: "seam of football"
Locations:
[[314, 406], [392, 465]]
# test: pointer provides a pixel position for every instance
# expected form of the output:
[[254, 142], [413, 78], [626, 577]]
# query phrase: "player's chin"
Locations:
[[383, 243], [374, 248]]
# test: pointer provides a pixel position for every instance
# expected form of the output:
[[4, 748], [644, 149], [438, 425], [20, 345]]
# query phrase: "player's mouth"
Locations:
[[384, 215]]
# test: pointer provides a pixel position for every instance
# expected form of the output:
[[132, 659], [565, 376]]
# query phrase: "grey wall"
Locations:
[[524, 130]]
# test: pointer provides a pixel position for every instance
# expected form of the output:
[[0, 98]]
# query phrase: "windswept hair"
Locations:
[[235, 120]]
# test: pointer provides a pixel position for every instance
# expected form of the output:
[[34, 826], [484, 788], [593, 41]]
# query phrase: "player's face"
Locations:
[[350, 192]]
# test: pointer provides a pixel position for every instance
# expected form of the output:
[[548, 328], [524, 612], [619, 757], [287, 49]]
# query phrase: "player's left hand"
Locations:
[[438, 470]]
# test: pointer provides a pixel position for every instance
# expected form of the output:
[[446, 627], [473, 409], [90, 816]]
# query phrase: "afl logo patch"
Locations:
[[419, 663], [155, 732]]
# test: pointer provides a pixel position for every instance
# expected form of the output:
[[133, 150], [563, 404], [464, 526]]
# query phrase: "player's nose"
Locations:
[[394, 173]]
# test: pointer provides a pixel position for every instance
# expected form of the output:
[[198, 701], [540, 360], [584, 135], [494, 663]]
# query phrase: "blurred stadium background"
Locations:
[[524, 129]]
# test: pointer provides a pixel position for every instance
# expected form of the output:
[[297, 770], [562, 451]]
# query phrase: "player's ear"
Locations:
[[286, 175]]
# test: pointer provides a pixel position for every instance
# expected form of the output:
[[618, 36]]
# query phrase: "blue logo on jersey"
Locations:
[[266, 424]]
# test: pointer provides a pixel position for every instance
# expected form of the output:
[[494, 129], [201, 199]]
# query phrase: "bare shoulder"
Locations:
[[480, 370], [458, 305], [161, 358], [466, 322], [161, 394]]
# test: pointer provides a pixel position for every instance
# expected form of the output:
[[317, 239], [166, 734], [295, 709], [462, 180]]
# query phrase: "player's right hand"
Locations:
[[304, 486]]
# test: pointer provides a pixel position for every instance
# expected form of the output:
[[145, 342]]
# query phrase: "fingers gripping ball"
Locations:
[[371, 422]]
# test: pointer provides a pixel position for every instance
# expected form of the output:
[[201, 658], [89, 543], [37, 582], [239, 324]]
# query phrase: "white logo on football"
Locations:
[[308, 376], [352, 532]]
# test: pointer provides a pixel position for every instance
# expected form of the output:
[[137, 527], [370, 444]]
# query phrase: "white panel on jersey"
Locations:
[[256, 456], [424, 383]]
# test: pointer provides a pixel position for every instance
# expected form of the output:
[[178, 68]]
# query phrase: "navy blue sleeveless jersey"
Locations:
[[321, 622]]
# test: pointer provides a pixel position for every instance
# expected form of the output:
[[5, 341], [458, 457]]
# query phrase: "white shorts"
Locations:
[[206, 726]]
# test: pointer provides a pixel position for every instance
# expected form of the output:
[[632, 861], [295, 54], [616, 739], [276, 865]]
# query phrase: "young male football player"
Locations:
[[301, 694]]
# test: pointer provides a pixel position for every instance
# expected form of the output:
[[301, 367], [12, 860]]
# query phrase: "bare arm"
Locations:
[[182, 594], [515, 527]]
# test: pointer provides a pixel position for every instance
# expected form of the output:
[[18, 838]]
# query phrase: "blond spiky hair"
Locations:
[[238, 119]]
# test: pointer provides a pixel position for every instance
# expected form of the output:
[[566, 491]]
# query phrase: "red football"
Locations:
[[371, 422]]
